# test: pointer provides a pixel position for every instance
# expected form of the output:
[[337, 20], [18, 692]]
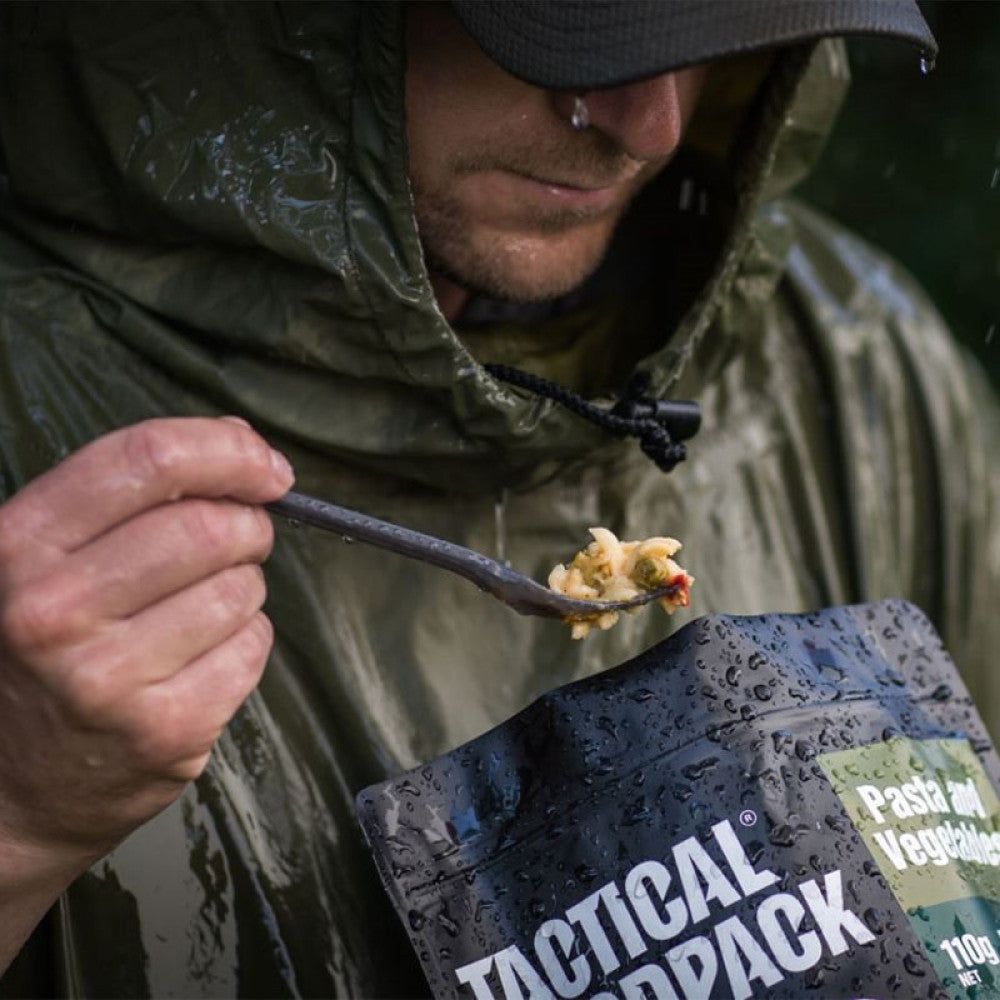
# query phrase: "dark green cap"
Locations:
[[584, 44]]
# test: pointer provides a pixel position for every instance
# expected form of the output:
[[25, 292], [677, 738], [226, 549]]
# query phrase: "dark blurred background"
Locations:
[[914, 165]]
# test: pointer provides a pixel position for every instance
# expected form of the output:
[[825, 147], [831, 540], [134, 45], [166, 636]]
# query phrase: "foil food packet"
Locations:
[[781, 805]]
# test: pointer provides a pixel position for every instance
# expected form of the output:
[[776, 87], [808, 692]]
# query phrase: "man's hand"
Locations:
[[130, 632]]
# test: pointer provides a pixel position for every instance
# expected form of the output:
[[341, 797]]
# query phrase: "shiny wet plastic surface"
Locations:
[[650, 825]]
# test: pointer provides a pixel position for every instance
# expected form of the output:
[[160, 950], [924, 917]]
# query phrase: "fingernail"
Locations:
[[233, 419], [281, 465]]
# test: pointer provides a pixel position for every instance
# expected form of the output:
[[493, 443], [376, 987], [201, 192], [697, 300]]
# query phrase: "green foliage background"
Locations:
[[914, 165]]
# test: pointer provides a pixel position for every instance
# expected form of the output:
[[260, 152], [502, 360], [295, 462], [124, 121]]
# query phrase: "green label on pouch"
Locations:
[[931, 820]]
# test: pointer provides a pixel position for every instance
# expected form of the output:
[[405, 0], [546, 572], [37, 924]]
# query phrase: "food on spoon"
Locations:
[[612, 570]]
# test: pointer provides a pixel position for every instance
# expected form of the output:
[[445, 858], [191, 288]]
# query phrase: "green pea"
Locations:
[[649, 573]]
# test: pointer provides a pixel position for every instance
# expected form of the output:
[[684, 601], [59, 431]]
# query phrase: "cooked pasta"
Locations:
[[612, 570]]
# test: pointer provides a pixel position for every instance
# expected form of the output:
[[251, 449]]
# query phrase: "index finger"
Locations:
[[130, 470]]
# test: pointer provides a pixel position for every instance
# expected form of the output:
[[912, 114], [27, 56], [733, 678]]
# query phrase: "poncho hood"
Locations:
[[233, 179]]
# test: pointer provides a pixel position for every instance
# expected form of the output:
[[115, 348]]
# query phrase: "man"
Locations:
[[210, 222]]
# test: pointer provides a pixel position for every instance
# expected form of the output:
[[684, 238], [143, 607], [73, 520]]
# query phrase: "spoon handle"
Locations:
[[515, 589]]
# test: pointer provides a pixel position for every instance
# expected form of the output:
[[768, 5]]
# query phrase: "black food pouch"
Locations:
[[782, 805]]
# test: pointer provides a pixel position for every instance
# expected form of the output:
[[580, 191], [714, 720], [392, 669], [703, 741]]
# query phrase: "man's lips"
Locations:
[[513, 198], [570, 194]]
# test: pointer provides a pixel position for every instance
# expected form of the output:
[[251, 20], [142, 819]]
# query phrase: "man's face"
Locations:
[[510, 199]]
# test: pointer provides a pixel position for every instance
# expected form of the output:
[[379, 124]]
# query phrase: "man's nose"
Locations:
[[643, 118]]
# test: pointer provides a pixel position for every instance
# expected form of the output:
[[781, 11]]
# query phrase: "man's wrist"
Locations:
[[30, 865], [32, 877]]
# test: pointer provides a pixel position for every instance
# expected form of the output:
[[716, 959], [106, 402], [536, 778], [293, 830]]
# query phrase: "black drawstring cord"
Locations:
[[661, 425]]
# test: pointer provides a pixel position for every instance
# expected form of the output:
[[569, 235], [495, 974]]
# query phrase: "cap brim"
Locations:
[[586, 44]]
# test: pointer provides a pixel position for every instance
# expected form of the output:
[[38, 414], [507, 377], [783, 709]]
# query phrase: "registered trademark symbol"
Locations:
[[748, 817]]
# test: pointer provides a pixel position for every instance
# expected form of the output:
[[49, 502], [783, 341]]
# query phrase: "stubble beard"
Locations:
[[507, 267], [556, 252]]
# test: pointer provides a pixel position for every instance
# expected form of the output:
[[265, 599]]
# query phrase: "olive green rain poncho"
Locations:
[[208, 212]]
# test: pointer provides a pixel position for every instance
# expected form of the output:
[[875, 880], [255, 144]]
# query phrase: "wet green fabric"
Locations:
[[211, 214]]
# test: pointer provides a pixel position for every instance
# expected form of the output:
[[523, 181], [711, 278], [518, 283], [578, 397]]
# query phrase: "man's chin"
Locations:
[[519, 270]]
